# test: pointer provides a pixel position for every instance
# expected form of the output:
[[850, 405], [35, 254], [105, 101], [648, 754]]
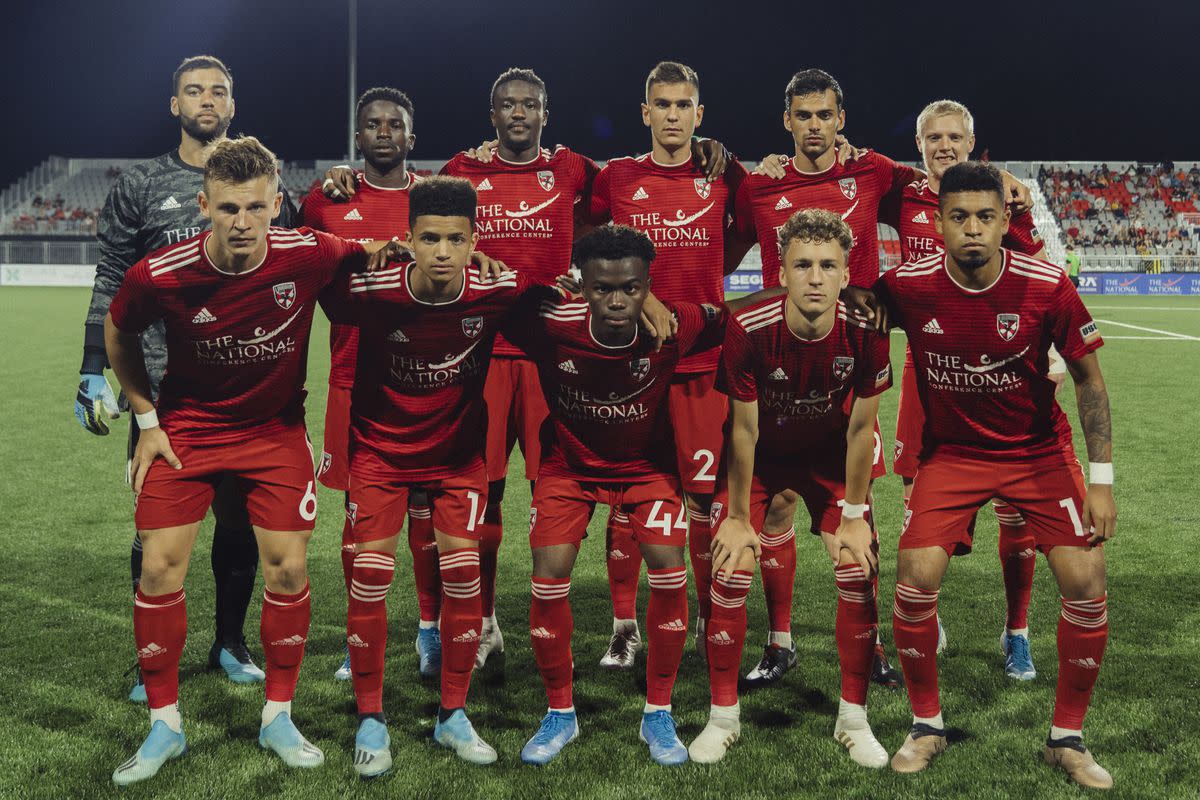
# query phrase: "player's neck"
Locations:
[[507, 152], [804, 163], [428, 291], [977, 278], [932, 181], [809, 327], [395, 178], [609, 337], [192, 151], [667, 157], [233, 263]]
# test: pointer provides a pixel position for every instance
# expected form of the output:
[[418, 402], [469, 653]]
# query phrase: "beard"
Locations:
[[204, 133]]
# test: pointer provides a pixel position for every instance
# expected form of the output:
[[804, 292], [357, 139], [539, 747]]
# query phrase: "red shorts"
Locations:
[[1048, 491], [377, 508], [562, 508], [910, 422], [822, 487], [275, 473], [516, 411], [698, 413], [334, 468]]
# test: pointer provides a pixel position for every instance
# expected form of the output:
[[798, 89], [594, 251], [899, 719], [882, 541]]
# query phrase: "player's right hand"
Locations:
[[854, 535], [94, 402], [340, 182], [393, 252], [734, 537], [773, 166], [490, 269], [152, 443], [1099, 513], [485, 152], [863, 304]]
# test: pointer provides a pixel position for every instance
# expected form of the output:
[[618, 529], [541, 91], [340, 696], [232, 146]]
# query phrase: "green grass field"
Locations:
[[66, 634]]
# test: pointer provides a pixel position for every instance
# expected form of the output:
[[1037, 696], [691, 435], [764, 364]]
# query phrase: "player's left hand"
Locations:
[[711, 157], [730, 541], [392, 252], [855, 535], [570, 283], [152, 443], [772, 166], [485, 152], [489, 268], [658, 321], [1099, 513], [847, 152], [340, 183], [1017, 193]]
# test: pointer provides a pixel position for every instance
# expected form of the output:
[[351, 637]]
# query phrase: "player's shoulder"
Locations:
[[917, 268], [854, 326], [168, 259], [504, 283], [918, 190], [288, 238], [1034, 269], [627, 164], [760, 314], [560, 311]]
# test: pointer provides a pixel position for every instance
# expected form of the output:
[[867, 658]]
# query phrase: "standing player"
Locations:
[[980, 321], [685, 214], [153, 205], [791, 364], [237, 304], [608, 441]]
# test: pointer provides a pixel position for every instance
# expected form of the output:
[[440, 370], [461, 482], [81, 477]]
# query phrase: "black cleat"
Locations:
[[882, 672], [776, 661]]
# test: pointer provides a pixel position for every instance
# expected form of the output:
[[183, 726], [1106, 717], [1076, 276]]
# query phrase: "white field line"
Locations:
[[1145, 308], [1170, 334], [1148, 338]]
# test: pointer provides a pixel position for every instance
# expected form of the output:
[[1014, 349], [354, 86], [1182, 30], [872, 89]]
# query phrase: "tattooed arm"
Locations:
[[1099, 509]]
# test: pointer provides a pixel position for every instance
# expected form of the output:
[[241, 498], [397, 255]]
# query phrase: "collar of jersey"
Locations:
[[504, 160], [636, 334], [218, 270], [802, 173], [408, 286], [801, 339], [990, 286], [403, 188]]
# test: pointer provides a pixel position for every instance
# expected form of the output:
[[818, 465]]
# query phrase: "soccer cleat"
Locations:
[[457, 734], [372, 749], [714, 741], [490, 641], [429, 650], [622, 648], [1018, 662], [858, 738], [236, 662], [775, 662], [282, 738], [558, 729], [138, 693], [658, 731], [1069, 755], [882, 672], [161, 745], [942, 640], [920, 747], [701, 640], [344, 672]]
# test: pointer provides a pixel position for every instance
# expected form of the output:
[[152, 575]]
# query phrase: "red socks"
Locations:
[[490, 533], [1018, 554], [778, 565], [284, 630], [854, 630], [914, 629], [666, 621], [550, 629], [700, 552], [159, 631], [1082, 635], [727, 635], [423, 547], [366, 627], [347, 550], [461, 623], [624, 565]]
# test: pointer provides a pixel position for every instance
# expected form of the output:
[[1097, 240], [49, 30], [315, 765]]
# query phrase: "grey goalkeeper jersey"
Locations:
[[152, 205]]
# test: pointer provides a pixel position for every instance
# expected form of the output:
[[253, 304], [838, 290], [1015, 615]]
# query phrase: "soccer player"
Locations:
[[237, 305], [608, 440], [980, 320], [685, 214], [379, 210], [153, 205], [791, 364]]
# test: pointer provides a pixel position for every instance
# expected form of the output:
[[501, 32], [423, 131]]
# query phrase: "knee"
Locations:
[[285, 575], [699, 505], [661, 557], [162, 572]]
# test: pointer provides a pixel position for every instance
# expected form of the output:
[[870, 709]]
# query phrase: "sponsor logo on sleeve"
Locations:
[[1089, 331]]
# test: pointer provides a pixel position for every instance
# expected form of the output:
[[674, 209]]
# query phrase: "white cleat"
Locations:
[[490, 641], [858, 739], [714, 741], [162, 745]]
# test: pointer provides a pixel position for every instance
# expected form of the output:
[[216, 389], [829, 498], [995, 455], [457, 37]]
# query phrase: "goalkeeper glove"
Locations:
[[95, 402]]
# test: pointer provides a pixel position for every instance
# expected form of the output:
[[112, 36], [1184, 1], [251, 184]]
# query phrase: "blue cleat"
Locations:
[[160, 746], [344, 673], [429, 648], [372, 749], [138, 693], [236, 662], [282, 738], [658, 731], [1018, 663], [457, 734], [558, 729]]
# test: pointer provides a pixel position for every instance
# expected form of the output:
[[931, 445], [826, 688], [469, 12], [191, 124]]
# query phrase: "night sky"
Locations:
[[1049, 80]]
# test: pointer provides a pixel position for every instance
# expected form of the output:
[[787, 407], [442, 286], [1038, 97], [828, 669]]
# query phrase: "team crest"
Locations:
[[546, 179], [472, 327], [849, 187], [703, 187], [326, 463], [352, 513], [714, 514], [532, 518], [285, 294], [842, 367], [1007, 325], [639, 368]]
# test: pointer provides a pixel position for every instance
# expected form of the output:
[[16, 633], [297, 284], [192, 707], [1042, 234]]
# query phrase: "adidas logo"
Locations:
[[616, 555], [922, 218], [541, 633], [471, 635], [353, 216], [771, 563], [911, 652], [293, 640], [783, 203], [1086, 663], [151, 650], [170, 204], [705, 556], [722, 637], [932, 327], [203, 316], [354, 640], [397, 336], [640, 194], [674, 625], [865, 635], [778, 375], [484, 186], [568, 366]]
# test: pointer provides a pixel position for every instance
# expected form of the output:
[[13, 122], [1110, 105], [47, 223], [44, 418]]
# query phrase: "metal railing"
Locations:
[[35, 251], [1151, 263]]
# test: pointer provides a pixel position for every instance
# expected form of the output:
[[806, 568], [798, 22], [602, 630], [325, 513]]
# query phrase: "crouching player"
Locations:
[[790, 363]]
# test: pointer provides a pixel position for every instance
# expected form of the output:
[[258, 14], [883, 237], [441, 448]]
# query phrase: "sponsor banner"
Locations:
[[1139, 283], [744, 280], [47, 274]]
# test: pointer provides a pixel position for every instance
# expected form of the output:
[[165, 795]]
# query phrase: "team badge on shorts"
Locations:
[[639, 368], [532, 518], [285, 294], [472, 327], [714, 513], [326, 463], [842, 367], [1007, 325], [849, 187], [352, 513], [546, 179], [703, 187]]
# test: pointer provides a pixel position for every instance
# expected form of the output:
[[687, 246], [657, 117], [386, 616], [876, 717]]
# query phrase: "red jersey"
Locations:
[[417, 410], [802, 387], [237, 345], [913, 218], [981, 356], [855, 190], [686, 218], [525, 213], [373, 213], [608, 405]]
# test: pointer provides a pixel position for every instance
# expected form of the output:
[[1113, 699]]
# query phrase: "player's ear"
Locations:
[[937, 221], [970, 144], [474, 239], [782, 275], [277, 205], [202, 201], [1007, 218], [174, 106], [699, 113], [412, 141], [787, 121], [646, 114], [492, 118], [845, 276], [232, 108], [841, 119], [920, 147]]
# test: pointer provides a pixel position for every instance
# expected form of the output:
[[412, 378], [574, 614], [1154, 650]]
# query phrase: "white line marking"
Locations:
[[1149, 330], [1148, 338], [1145, 308]]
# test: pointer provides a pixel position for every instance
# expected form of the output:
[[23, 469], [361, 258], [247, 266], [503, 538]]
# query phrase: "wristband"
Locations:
[[147, 420], [1100, 473], [854, 510], [326, 184]]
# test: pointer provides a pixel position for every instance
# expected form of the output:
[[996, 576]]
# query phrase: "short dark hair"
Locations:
[[971, 176], [199, 62], [672, 72], [385, 93], [239, 160], [811, 81], [519, 74], [441, 196], [612, 243], [816, 225]]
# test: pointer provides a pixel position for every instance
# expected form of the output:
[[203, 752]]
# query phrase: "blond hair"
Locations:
[[239, 160], [940, 108], [816, 225]]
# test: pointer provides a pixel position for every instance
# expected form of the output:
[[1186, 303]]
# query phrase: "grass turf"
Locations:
[[65, 630]]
